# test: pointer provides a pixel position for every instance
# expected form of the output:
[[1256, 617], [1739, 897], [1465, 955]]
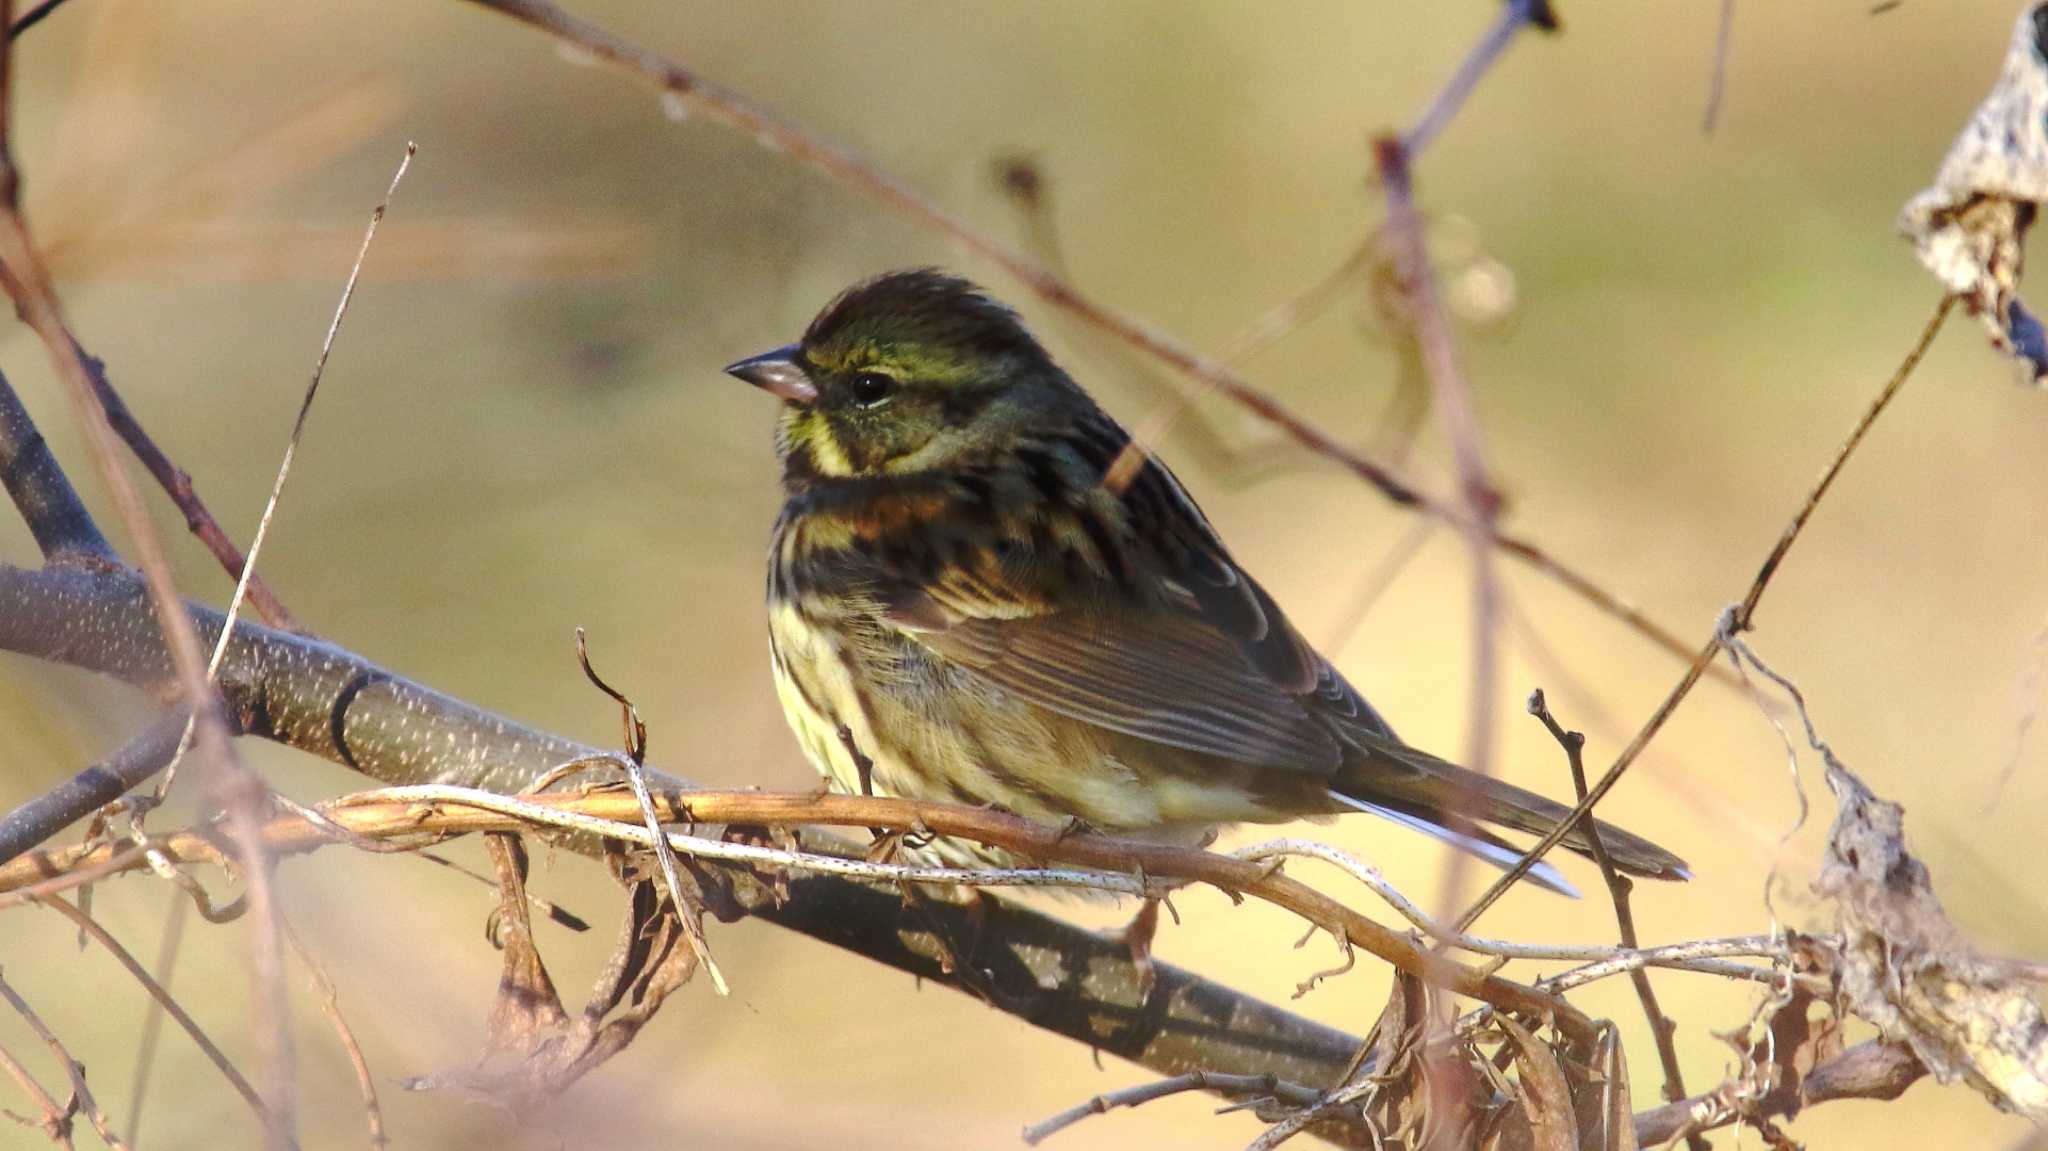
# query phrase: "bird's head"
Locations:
[[909, 372]]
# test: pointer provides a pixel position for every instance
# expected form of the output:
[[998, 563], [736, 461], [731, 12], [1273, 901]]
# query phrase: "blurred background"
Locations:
[[524, 429]]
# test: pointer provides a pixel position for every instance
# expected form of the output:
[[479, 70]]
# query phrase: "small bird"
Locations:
[[976, 595]]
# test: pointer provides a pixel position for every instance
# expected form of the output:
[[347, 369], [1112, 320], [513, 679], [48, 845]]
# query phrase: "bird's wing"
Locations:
[[1170, 681], [1161, 636]]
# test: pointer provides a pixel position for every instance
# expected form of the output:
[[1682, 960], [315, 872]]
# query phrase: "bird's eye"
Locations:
[[871, 388]]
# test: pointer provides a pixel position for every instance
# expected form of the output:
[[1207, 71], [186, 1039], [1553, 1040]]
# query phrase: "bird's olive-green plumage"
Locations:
[[961, 608]]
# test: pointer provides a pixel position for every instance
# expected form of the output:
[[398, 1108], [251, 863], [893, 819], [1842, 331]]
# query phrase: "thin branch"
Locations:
[[56, 1120], [167, 950], [1662, 1027], [177, 484], [1717, 79], [1370, 877], [33, 16], [64, 530], [730, 109], [330, 1005], [1740, 620], [27, 281], [1874, 1069], [95, 787], [1255, 1086], [1453, 401], [247, 576], [2028, 699], [213, 1052], [81, 1095], [1498, 35], [1123, 866], [1375, 585]]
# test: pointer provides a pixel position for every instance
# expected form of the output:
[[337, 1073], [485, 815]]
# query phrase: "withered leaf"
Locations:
[[1970, 228]]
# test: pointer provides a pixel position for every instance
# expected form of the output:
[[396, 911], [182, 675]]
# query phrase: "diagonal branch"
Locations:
[[64, 530], [26, 278], [177, 484], [95, 787], [1619, 888], [1740, 618], [332, 703], [742, 114]]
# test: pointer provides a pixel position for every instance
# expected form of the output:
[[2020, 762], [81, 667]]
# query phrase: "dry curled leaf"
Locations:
[[1906, 968], [1970, 228], [535, 1049]]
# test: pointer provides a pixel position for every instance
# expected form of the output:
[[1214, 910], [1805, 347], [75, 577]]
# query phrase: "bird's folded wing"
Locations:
[[1162, 677]]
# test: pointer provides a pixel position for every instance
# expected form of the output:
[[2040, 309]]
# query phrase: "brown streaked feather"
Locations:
[[1162, 678], [1202, 660], [960, 598]]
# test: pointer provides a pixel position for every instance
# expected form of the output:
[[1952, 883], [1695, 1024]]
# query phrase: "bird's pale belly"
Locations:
[[933, 732]]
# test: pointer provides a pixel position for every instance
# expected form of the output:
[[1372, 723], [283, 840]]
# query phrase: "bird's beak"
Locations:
[[779, 373]]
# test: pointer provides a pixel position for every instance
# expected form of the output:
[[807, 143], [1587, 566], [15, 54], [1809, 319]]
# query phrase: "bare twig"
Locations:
[[1271, 325], [1370, 877], [1662, 1027], [1870, 1070], [560, 915], [1743, 613], [56, 1119], [291, 446], [213, 1053], [1513, 15], [1702, 956], [247, 571], [1375, 585], [733, 110], [81, 1096], [33, 16], [1099, 862], [27, 281], [2034, 663], [1717, 79], [177, 484], [330, 1005], [1477, 495], [167, 950], [1255, 1086]]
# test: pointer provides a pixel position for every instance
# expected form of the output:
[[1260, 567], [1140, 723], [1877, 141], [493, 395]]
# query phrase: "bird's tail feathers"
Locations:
[[1476, 842], [1418, 789]]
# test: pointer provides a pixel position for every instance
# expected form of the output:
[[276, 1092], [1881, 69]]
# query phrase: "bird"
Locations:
[[980, 591]]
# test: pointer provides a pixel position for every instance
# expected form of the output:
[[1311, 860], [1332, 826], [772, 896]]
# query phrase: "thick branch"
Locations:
[[327, 701]]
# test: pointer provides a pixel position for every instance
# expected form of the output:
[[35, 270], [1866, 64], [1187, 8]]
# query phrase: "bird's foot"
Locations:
[[1074, 825], [887, 844], [1137, 939]]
